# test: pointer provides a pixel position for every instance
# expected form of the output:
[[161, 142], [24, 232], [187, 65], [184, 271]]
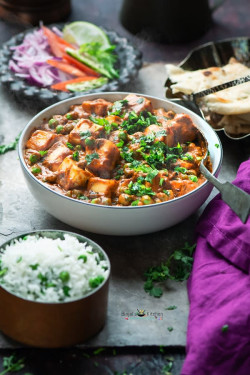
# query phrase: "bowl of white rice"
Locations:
[[53, 288]]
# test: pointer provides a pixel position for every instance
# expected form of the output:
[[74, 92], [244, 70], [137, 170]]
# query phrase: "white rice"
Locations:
[[31, 268]]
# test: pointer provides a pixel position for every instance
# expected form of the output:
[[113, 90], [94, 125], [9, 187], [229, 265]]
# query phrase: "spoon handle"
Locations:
[[223, 86], [237, 199]]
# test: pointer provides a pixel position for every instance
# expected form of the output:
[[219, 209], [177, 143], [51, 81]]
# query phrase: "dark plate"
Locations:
[[215, 54], [129, 62]]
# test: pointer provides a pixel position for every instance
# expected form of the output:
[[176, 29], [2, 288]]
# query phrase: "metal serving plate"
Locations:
[[129, 61], [215, 54]]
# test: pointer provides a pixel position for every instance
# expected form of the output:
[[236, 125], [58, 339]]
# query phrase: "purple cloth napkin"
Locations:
[[219, 291]]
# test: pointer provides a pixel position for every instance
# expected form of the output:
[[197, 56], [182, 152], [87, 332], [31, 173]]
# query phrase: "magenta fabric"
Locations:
[[219, 291]]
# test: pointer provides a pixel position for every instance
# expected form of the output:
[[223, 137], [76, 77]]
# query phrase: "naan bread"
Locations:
[[231, 106], [232, 101]]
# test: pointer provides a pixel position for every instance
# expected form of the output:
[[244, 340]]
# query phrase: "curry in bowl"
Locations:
[[122, 153]]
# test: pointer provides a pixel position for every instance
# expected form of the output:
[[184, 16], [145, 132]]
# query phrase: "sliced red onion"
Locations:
[[29, 60]]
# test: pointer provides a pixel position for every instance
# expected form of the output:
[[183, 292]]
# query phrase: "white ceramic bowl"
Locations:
[[114, 220]]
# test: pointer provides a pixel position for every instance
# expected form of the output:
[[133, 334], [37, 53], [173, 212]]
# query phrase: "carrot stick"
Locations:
[[81, 66], [54, 45], [67, 68], [62, 85]]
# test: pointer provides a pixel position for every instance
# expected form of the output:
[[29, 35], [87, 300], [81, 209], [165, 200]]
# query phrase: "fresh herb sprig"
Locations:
[[136, 123], [12, 364], [10, 147], [177, 267]]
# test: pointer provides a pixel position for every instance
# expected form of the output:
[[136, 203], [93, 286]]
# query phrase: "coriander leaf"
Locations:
[[11, 364], [98, 351], [136, 123], [177, 267], [224, 328], [156, 292], [170, 329], [75, 156], [91, 157], [11, 146], [117, 107], [173, 307], [85, 134]]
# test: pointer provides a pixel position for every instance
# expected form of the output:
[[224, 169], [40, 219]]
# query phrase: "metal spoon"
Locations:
[[238, 200], [191, 101]]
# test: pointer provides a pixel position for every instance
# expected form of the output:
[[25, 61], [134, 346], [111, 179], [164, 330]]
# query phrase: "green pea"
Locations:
[[33, 158], [64, 276], [83, 257], [122, 135], [95, 282], [53, 123], [59, 128], [36, 170]]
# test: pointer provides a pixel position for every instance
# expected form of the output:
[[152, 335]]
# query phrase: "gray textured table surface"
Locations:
[[130, 256]]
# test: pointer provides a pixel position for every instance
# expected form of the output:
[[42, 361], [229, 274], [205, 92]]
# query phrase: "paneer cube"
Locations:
[[42, 140], [101, 186], [181, 187], [158, 131], [84, 129], [183, 128], [57, 153], [107, 155], [70, 176], [137, 104], [98, 107]]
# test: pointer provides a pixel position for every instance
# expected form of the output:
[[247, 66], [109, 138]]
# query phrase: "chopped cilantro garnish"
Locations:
[[85, 134], [136, 123], [193, 178], [173, 307], [127, 155], [166, 192], [170, 329], [187, 157], [151, 175], [109, 127], [89, 142], [224, 328], [180, 170], [177, 267], [70, 146], [161, 181], [140, 100], [83, 197], [119, 173], [117, 107], [135, 203], [91, 157], [120, 144], [217, 145], [75, 156], [11, 146], [161, 133], [138, 188], [42, 153], [99, 120], [66, 290]]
